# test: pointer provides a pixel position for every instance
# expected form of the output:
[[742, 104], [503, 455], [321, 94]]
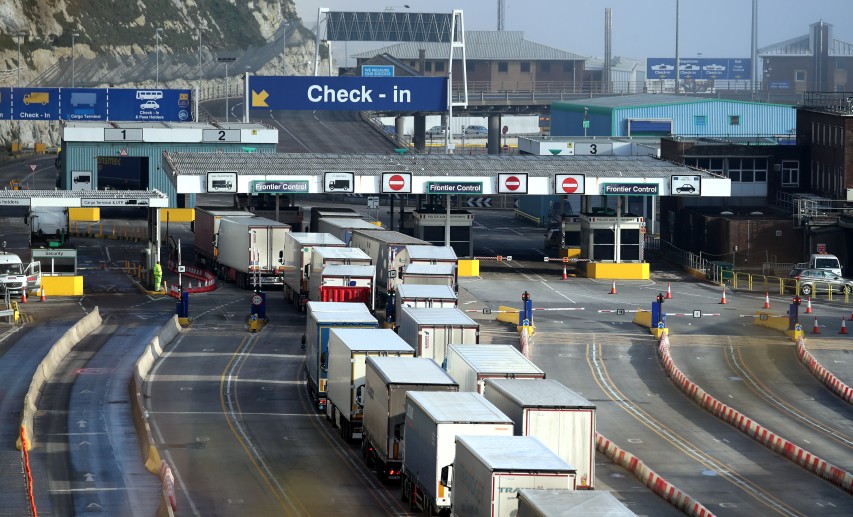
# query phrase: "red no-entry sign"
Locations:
[[396, 182], [512, 183], [569, 183]]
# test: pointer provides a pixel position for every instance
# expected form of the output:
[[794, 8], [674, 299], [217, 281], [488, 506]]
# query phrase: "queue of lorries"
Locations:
[[466, 428]]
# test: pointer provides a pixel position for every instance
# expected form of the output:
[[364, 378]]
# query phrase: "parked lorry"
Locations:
[[430, 274], [206, 227], [323, 257], [249, 251], [488, 471], [432, 255], [563, 420], [345, 283], [318, 213], [297, 263], [384, 247], [48, 226], [436, 296], [321, 318], [348, 351], [386, 382], [471, 365], [560, 503], [433, 421], [430, 330], [344, 227]]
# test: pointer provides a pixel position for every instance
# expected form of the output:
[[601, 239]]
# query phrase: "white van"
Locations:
[[15, 278], [825, 261]]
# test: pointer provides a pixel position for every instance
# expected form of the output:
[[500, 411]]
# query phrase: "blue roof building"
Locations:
[[662, 115]]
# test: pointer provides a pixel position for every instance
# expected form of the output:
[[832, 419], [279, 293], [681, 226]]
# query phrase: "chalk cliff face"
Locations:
[[116, 45]]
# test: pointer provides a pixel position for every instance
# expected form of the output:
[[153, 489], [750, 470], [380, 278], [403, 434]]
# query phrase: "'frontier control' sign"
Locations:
[[631, 189], [280, 187], [454, 187]]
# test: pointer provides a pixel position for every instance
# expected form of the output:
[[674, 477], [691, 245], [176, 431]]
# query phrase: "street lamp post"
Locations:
[[20, 35], [226, 60], [73, 37], [157, 65]]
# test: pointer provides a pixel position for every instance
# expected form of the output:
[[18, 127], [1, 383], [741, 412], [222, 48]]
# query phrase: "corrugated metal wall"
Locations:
[[755, 118], [82, 156], [567, 120]]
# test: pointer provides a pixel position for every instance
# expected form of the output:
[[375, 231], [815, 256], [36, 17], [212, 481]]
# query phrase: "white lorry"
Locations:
[[323, 257], [343, 227], [430, 274], [414, 295], [488, 471], [345, 283], [385, 248], [556, 415], [297, 261], [431, 256], [433, 420], [321, 317], [471, 365], [559, 503], [430, 330], [348, 351], [48, 225], [386, 382]]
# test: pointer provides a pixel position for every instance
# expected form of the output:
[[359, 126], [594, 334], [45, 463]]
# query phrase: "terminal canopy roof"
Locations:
[[537, 173], [84, 198]]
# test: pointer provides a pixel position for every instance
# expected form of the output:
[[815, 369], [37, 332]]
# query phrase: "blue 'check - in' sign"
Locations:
[[349, 93]]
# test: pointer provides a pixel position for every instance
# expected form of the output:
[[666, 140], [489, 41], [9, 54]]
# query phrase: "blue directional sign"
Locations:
[[83, 103], [5, 103], [35, 103], [154, 105], [349, 93], [700, 68]]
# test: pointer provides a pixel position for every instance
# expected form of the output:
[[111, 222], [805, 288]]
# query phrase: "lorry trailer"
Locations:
[[430, 330], [488, 471], [386, 382], [321, 318], [348, 351], [384, 248], [433, 421], [556, 415], [559, 503], [430, 274], [345, 283], [344, 227], [471, 365], [297, 261]]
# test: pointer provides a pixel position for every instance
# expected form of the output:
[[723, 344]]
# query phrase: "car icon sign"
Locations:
[[687, 187], [149, 105]]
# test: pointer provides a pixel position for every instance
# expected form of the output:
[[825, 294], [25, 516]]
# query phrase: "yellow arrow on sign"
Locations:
[[259, 100]]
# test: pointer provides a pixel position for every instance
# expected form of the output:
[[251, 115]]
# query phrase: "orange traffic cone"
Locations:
[[723, 301], [613, 287], [766, 300], [843, 327], [668, 290], [41, 298], [809, 307], [565, 273], [24, 295], [815, 329]]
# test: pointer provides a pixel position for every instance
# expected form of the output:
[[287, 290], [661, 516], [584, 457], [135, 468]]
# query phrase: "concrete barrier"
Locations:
[[153, 350], [832, 382], [751, 428], [669, 492], [47, 367]]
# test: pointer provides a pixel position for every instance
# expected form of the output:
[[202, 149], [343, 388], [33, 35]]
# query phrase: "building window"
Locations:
[[709, 164], [428, 66], [700, 120], [747, 170], [503, 66], [790, 173], [545, 66], [568, 66], [800, 76], [734, 120], [525, 66], [439, 66]]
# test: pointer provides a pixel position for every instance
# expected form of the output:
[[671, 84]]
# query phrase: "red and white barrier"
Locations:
[[822, 374], [669, 492], [168, 481], [207, 280], [756, 431]]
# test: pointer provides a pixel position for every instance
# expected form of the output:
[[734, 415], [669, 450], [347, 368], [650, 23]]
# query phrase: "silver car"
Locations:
[[437, 131], [813, 281]]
